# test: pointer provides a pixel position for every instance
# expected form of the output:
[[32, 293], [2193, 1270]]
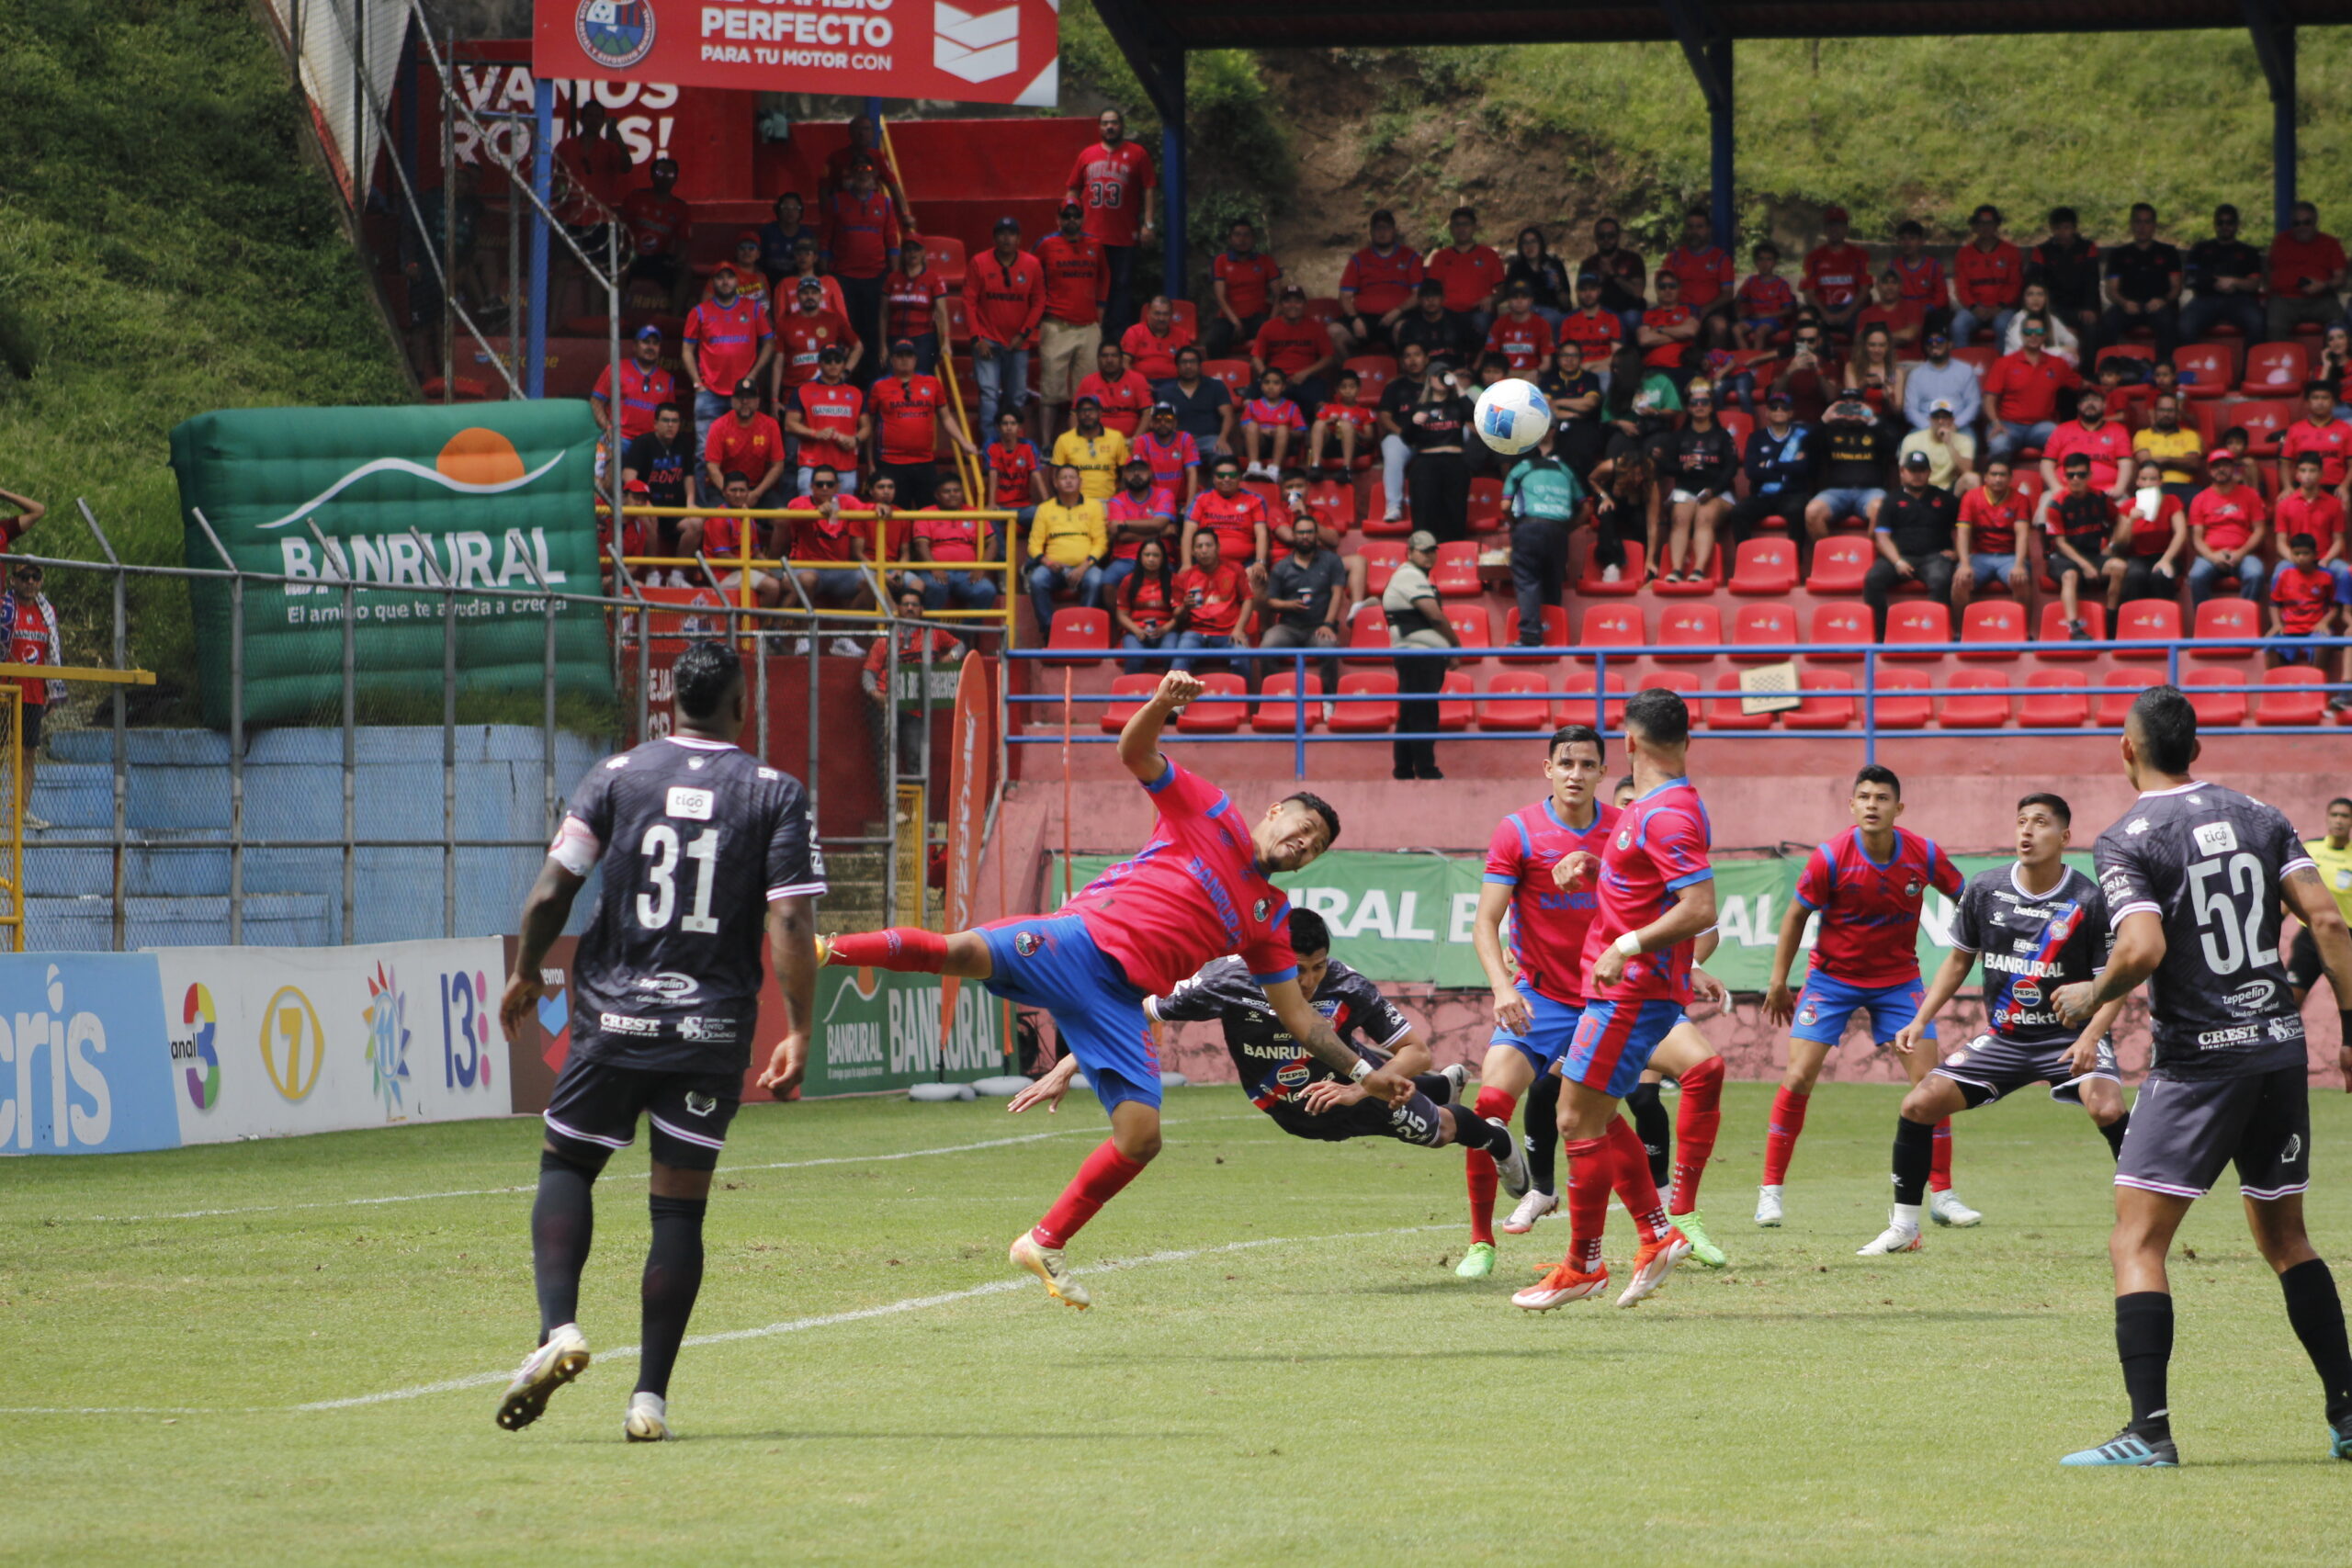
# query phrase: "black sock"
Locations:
[[2112, 1132], [1650, 1125], [1914, 1151], [1543, 1135], [563, 1219], [673, 1278], [2317, 1314], [1473, 1131], [2144, 1342], [1437, 1086]]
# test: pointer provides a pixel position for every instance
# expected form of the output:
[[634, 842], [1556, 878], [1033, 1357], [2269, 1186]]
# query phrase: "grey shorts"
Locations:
[[1415, 1121], [2184, 1130], [1997, 1067]]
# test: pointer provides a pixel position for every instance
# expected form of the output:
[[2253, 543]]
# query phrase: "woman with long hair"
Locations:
[[1705, 463], [1533, 263], [1145, 606], [1875, 373], [2058, 337], [1438, 475], [1624, 490]]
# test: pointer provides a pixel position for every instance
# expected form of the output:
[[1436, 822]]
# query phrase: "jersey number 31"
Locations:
[[660, 850]]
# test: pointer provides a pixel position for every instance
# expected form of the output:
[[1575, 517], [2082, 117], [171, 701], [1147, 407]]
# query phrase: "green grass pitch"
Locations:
[[1286, 1372]]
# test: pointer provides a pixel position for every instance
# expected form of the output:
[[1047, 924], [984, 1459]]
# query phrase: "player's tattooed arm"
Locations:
[[544, 913], [2139, 948], [792, 950], [1139, 741], [2308, 895], [1950, 975], [1319, 1040]]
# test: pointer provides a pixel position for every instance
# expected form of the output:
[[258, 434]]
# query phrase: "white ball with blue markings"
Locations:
[[1512, 416]]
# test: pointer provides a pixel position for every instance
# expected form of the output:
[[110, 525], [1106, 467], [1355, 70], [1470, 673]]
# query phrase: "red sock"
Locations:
[[1695, 1124], [909, 950], [1939, 1163], [1478, 1166], [1099, 1180], [1781, 1136], [1588, 1181], [1634, 1186]]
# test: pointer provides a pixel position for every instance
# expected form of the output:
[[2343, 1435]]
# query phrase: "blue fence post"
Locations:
[[1600, 690], [535, 369], [1298, 714], [1869, 706]]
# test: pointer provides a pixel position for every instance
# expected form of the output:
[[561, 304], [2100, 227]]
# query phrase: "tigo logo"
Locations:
[[976, 47], [196, 1048]]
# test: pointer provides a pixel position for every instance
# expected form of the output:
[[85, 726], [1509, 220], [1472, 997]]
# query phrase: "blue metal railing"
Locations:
[[1865, 694]]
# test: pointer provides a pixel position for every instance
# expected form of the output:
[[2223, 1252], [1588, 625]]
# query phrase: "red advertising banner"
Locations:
[[984, 51], [971, 758]]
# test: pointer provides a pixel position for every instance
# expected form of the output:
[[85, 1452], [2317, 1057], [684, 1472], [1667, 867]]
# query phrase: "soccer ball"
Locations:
[[1512, 416]]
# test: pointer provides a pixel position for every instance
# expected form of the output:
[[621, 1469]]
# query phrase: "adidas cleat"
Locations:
[[1457, 1075], [1531, 1208], [1946, 1209], [1511, 1170], [825, 949], [1652, 1264], [1703, 1251], [1477, 1263], [563, 1358], [1562, 1285], [2128, 1448], [1767, 1207], [648, 1420], [1046, 1262]]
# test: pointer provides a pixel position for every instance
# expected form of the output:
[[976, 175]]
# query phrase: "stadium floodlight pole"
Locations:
[[342, 567], [236, 730], [121, 724], [448, 735]]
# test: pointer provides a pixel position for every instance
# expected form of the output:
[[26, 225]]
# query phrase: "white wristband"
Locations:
[[1360, 1071], [1630, 945]]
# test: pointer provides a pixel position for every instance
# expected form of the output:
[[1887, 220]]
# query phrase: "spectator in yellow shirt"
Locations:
[[2172, 446], [1096, 453], [1068, 539]]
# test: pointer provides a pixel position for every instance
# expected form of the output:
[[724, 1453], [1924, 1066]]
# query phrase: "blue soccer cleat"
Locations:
[[2130, 1448], [2339, 1436]]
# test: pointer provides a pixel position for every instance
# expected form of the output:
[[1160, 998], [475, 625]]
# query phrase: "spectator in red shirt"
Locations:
[[1988, 278], [1070, 335], [1004, 297], [819, 533], [2311, 508], [2227, 528], [1211, 595], [1224, 508], [657, 223], [750, 281], [1919, 275], [1295, 345], [2321, 434], [917, 302], [2021, 395], [1668, 331], [1151, 344], [1836, 273], [1706, 272], [1993, 539], [1471, 272], [743, 441], [2104, 441], [1592, 327], [861, 245], [826, 417], [1124, 396], [1378, 286], [728, 344], [1174, 458], [1347, 425], [907, 408], [1622, 274], [2151, 541], [802, 335], [1243, 278], [645, 386], [1764, 306], [1274, 416], [721, 534], [1016, 480], [949, 540], [1115, 182], [2303, 596], [594, 167], [808, 263], [1519, 335], [2306, 275]]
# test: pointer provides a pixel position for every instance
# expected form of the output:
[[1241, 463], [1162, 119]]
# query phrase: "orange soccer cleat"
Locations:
[[1563, 1284], [1652, 1264]]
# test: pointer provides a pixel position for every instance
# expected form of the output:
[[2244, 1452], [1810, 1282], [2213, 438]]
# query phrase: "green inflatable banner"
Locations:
[[887, 1037], [1407, 918], [497, 492]]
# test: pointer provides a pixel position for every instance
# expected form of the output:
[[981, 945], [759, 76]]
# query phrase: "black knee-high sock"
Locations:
[[563, 1219], [2143, 1343], [673, 1278], [2317, 1314], [1915, 1152], [1437, 1086], [2113, 1134], [1474, 1132], [1650, 1125], [1543, 1135]]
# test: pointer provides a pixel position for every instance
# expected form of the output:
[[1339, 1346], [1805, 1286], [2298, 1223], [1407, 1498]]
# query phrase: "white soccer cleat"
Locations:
[[648, 1420], [1511, 1170], [1895, 1237], [1767, 1207], [1458, 1074], [1531, 1208], [1652, 1264], [563, 1358], [1046, 1263], [1946, 1209]]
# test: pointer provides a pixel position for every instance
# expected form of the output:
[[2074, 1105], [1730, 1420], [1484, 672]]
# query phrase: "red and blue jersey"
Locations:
[[1278, 415], [1548, 926], [1870, 910], [727, 339], [1168, 460], [1659, 848], [1192, 893]]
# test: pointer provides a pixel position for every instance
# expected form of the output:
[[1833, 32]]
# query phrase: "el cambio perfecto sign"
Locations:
[[497, 495]]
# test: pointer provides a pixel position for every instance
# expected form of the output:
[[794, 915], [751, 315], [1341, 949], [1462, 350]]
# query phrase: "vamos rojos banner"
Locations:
[[498, 492]]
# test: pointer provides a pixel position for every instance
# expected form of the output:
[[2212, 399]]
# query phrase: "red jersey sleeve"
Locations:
[[1504, 851], [1180, 792], [1270, 957], [1942, 874], [1678, 847], [1818, 880]]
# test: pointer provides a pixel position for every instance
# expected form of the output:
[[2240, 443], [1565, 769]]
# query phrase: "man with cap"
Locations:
[[1123, 396], [1779, 463], [1942, 379], [2226, 522], [657, 223], [1203, 405], [827, 419], [645, 386], [727, 343], [1243, 277], [1151, 344], [1836, 273], [1172, 455], [1297, 345], [1114, 180], [1070, 335], [744, 264], [1377, 284], [661, 459], [906, 407], [1005, 298], [1950, 450], [1625, 278], [742, 441], [1594, 328], [2022, 392], [804, 329], [1917, 530]]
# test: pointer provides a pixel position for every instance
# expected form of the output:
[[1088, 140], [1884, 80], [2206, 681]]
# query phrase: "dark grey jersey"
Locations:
[[695, 839], [2209, 862], [1273, 1064], [2030, 945]]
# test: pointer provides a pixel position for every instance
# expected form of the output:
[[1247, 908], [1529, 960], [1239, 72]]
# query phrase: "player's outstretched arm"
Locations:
[[1487, 936], [1693, 912], [2316, 906], [1139, 741], [1950, 975], [792, 948], [1411, 1055], [544, 912], [2139, 948], [1780, 1003], [1319, 1040]]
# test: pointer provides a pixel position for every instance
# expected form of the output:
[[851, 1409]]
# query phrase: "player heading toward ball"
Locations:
[[2038, 924], [1198, 891], [2194, 876]]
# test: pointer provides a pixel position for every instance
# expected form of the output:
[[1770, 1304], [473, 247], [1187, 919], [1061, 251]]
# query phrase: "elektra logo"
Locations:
[[193, 1049], [388, 1036], [465, 1030], [976, 47], [83, 1115]]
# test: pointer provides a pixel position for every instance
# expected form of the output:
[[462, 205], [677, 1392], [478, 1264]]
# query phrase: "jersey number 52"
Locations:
[[2218, 919], [659, 851]]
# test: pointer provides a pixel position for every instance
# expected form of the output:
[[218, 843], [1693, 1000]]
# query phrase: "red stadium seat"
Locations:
[[1992, 620], [1738, 426], [1839, 621], [1509, 704], [2124, 686], [1839, 565], [1575, 709], [2265, 420], [959, 324], [1629, 582], [1333, 504], [1475, 625], [1323, 308], [2052, 636], [2207, 369], [1767, 624], [1079, 633], [1917, 621], [1689, 625], [1764, 568], [1555, 634], [2143, 622], [943, 254], [1988, 710], [1981, 356], [1823, 712], [1381, 560], [1901, 712], [2274, 370], [1128, 693], [1235, 374], [2232, 616], [1612, 626], [1686, 681], [1485, 505], [1270, 493], [1723, 713], [1278, 709], [1207, 716], [2066, 710], [1694, 587], [1365, 718], [1374, 372], [1367, 629], [1455, 575], [2216, 710], [1455, 709], [2295, 696], [1375, 523], [2026, 480], [1186, 315]]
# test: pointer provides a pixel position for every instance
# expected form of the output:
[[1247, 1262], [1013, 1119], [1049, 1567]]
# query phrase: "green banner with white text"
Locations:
[[878, 1030]]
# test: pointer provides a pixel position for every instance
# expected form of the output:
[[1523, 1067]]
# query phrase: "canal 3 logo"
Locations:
[[84, 1115], [194, 1050], [465, 1013], [388, 1036]]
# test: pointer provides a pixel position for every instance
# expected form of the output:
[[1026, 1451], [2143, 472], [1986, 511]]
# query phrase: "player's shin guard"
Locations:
[[1631, 1179], [1648, 1112], [2113, 1133], [2143, 1343], [1100, 1179], [1543, 1134], [563, 1221], [1939, 1162], [1780, 1132], [1696, 1121], [2317, 1314], [1478, 1166], [673, 1279], [1589, 1177], [1913, 1158], [908, 949]]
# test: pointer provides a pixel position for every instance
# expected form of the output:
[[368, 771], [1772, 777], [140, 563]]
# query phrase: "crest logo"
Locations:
[[614, 33], [1027, 943]]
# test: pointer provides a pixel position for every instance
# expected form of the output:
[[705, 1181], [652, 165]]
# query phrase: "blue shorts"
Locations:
[[1614, 1042], [1551, 1026], [1051, 962], [1992, 569], [1826, 1005]]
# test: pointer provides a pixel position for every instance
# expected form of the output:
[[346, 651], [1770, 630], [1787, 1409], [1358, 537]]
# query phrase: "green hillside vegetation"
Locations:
[[165, 248]]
